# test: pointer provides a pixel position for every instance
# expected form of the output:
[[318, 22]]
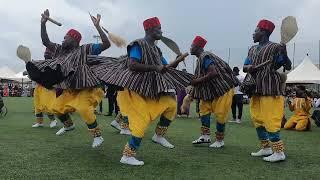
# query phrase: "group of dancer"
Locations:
[[147, 83]]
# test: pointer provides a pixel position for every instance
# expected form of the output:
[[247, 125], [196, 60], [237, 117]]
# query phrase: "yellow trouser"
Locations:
[[301, 117], [299, 121], [220, 107], [141, 111], [267, 111], [83, 101], [43, 99]]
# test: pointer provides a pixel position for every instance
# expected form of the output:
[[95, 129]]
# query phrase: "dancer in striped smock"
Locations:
[[149, 83], [214, 84], [267, 102], [43, 99], [68, 70]]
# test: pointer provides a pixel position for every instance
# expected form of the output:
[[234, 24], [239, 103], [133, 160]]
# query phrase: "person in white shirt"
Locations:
[[237, 100], [317, 103]]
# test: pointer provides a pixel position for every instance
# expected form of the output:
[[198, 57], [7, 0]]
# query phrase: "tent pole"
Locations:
[[319, 62], [229, 54], [22, 87], [294, 52]]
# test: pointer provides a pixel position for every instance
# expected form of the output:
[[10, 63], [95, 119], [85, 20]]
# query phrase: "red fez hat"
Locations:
[[199, 41], [74, 34], [266, 25], [151, 22]]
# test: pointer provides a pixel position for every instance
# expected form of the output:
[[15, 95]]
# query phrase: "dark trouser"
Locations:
[[198, 106], [113, 105], [100, 107], [237, 101]]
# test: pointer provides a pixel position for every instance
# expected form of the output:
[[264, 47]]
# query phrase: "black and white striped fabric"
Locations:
[[72, 66], [217, 86], [148, 84], [268, 80]]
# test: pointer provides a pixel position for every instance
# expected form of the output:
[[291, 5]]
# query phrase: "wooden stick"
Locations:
[[104, 29], [51, 20], [263, 64], [183, 56]]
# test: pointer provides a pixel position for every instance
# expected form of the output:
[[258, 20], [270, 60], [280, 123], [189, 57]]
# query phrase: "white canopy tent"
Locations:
[[20, 77], [305, 73], [242, 73], [6, 73]]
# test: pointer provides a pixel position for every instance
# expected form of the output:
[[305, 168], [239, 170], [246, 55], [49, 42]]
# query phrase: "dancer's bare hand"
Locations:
[[96, 20], [43, 18], [251, 68]]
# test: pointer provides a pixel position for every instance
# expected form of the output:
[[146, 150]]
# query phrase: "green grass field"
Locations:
[[27, 153]]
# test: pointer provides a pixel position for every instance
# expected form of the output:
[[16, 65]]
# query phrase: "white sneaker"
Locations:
[[162, 141], [217, 144], [202, 139], [125, 132], [36, 125], [64, 130], [53, 123], [238, 121], [275, 157], [97, 141], [262, 152], [232, 120], [131, 161], [116, 125]]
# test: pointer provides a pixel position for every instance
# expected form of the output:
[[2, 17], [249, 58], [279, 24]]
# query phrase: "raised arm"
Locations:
[[44, 35], [179, 59], [105, 41]]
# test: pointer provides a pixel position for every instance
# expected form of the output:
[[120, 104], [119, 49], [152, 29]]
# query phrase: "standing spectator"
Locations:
[[1, 90], [6, 90], [237, 100], [112, 100], [15, 90]]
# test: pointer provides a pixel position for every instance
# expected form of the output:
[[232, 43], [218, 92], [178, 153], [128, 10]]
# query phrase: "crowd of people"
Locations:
[[14, 90]]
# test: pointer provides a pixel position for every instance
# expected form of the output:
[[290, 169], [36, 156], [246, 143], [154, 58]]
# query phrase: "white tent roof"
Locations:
[[6, 73], [20, 77], [306, 73], [242, 73]]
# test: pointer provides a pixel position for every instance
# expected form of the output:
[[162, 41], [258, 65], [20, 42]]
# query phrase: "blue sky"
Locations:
[[225, 24]]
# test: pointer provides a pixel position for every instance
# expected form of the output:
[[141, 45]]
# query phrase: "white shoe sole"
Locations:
[[169, 147], [98, 145], [126, 163], [155, 141], [66, 130], [53, 126], [125, 133], [264, 155], [37, 126], [117, 128], [273, 161], [201, 142], [216, 147]]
